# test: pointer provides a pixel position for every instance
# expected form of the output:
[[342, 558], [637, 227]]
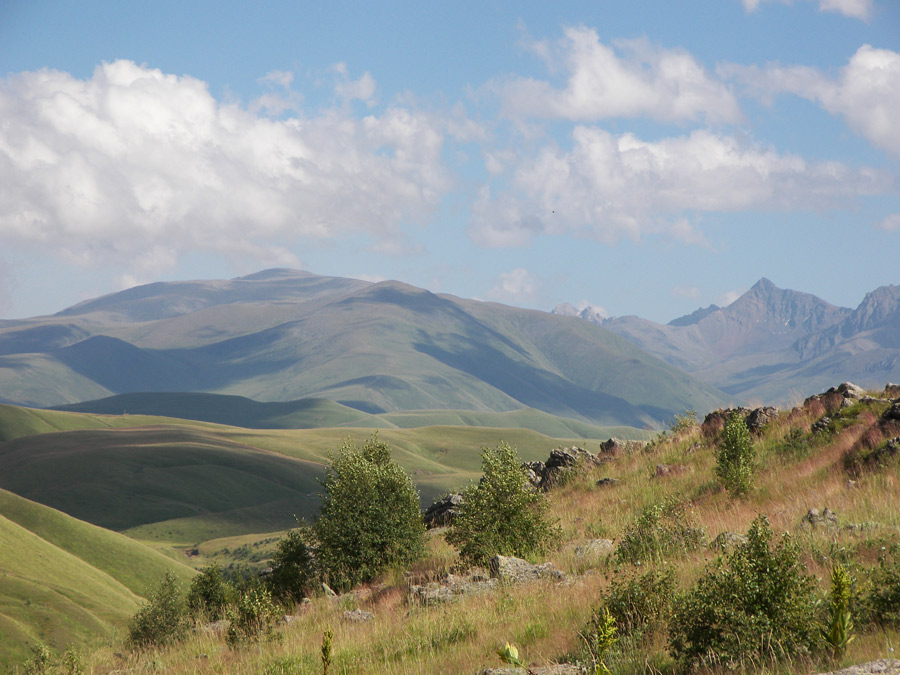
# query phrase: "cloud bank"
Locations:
[[137, 165]]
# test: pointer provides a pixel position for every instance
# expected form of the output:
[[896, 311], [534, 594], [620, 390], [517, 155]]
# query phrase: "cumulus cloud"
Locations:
[[631, 78], [612, 187], [689, 292], [728, 297], [866, 92], [855, 9], [137, 166], [517, 286], [891, 223]]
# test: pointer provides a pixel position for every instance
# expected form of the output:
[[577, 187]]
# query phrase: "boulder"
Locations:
[[515, 570], [450, 588], [892, 413], [815, 518], [594, 547], [554, 669], [607, 482], [850, 390], [725, 541], [880, 667], [559, 465], [760, 417], [668, 470], [357, 616], [891, 390], [443, 511], [821, 425]]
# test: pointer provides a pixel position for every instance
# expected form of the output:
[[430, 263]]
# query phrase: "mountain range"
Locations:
[[282, 335], [772, 344]]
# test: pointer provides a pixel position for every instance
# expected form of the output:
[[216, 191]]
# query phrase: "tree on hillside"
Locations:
[[503, 513], [370, 518], [734, 457]]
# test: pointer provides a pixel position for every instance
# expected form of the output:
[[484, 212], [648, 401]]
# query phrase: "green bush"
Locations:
[[754, 606], [838, 633], [292, 574], [640, 603], [884, 597], [734, 457], [370, 518], [661, 530], [163, 619], [209, 594], [503, 513], [41, 660], [252, 618], [684, 422]]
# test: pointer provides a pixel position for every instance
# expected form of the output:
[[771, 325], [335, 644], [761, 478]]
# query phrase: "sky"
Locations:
[[643, 157]]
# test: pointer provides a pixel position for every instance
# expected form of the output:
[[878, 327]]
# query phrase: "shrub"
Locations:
[[662, 529], [40, 662], [370, 518], [209, 594], [640, 603], [252, 618], [684, 422], [734, 457], [503, 513], [884, 598], [292, 566], [756, 604], [162, 619], [599, 638], [839, 631]]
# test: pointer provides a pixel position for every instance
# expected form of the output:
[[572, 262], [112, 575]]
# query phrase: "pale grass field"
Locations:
[[544, 619]]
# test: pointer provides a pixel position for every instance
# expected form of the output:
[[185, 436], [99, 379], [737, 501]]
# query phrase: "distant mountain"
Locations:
[[773, 343], [283, 335]]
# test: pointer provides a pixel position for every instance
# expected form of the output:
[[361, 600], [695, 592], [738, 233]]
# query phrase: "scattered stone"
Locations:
[[607, 482], [561, 464], [880, 667], [451, 588], [725, 541], [879, 458], [554, 669], [850, 390], [892, 413], [514, 570], [594, 547], [755, 419], [821, 425], [814, 518], [760, 417], [611, 448], [358, 616], [668, 470], [443, 511], [892, 390]]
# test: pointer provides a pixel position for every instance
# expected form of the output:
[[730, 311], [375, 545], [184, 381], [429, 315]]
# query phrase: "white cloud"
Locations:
[[855, 9], [866, 92], [517, 286], [612, 187], [728, 297], [135, 166], [891, 223], [362, 88], [633, 78], [690, 292]]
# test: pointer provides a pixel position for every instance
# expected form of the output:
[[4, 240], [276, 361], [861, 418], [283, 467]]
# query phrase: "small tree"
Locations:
[[163, 619], [370, 518], [292, 566], [758, 604], [209, 594], [734, 458], [502, 514]]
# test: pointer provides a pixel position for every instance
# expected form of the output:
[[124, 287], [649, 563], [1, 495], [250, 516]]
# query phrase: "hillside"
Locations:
[[634, 545], [283, 335], [773, 344], [64, 581]]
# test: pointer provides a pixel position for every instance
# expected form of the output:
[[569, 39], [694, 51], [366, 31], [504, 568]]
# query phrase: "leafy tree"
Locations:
[[370, 518], [162, 619], [209, 594], [734, 458], [252, 618], [503, 513], [757, 604], [292, 566]]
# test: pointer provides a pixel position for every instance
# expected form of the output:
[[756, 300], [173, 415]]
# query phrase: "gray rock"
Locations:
[[892, 413], [594, 547], [815, 518], [514, 570], [725, 541], [358, 616], [880, 667], [561, 463], [891, 389], [450, 588], [554, 669], [821, 425], [760, 417], [850, 390], [443, 511], [607, 482]]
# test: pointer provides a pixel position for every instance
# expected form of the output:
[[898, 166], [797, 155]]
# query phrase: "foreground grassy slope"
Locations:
[[796, 469], [64, 581]]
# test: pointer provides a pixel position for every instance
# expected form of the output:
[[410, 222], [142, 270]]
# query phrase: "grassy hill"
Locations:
[[388, 347], [64, 581]]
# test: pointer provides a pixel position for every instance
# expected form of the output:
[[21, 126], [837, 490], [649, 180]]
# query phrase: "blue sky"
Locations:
[[644, 157]]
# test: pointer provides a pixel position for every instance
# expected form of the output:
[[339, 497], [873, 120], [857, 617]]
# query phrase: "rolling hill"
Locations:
[[284, 335], [64, 581]]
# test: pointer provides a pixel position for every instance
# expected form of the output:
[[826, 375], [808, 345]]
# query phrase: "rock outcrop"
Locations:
[[514, 570], [564, 462], [880, 667], [443, 511]]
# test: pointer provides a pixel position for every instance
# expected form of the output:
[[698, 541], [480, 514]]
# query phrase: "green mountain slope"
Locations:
[[283, 335], [64, 581]]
